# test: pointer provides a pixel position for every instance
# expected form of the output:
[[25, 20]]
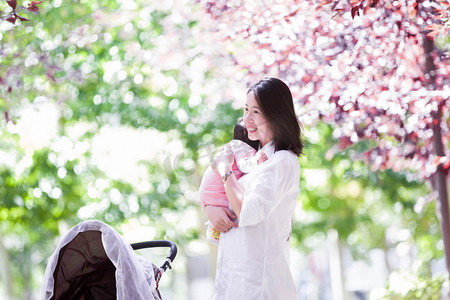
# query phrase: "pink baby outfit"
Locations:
[[212, 191]]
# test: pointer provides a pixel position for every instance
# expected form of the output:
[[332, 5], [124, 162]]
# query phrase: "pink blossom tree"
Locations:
[[375, 70]]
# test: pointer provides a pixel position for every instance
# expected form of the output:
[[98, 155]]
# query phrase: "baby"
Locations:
[[212, 191]]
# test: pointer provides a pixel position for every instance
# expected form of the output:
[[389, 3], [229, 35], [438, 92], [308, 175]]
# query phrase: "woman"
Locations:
[[253, 258]]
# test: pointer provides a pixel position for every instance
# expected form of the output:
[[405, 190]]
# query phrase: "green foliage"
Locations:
[[33, 204], [101, 64], [413, 287]]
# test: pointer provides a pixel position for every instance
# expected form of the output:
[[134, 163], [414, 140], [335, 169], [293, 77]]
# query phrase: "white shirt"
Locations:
[[253, 259]]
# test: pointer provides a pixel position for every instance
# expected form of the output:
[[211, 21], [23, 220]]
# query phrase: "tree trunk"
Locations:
[[5, 270], [440, 184], [440, 181], [335, 261]]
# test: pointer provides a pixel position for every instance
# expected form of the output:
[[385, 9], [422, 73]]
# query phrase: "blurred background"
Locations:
[[112, 110]]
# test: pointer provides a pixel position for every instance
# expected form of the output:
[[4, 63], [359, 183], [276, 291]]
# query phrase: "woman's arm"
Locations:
[[235, 193], [275, 183]]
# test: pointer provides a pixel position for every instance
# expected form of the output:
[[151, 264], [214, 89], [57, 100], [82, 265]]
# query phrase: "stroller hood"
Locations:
[[94, 262]]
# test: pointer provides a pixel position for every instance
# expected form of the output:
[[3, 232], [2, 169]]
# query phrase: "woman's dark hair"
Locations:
[[275, 101], [241, 133]]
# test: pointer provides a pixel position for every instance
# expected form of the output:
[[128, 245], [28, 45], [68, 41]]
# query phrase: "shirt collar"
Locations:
[[268, 149]]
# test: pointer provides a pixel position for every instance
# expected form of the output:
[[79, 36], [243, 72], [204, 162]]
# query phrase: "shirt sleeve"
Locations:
[[277, 179], [247, 163], [244, 155]]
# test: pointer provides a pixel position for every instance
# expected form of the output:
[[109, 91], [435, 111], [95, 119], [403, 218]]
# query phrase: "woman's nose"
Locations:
[[246, 117]]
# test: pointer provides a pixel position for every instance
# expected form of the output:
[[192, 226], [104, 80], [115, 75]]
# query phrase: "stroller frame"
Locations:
[[159, 244], [92, 261]]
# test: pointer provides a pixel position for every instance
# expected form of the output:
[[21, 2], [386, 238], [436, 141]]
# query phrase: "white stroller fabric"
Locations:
[[135, 277]]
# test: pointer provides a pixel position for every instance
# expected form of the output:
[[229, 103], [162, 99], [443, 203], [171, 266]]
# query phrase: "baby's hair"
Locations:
[[240, 133]]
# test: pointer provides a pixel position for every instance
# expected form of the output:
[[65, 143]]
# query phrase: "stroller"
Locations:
[[93, 262]]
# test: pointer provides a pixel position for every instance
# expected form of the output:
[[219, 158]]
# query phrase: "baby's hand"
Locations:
[[223, 160], [262, 158]]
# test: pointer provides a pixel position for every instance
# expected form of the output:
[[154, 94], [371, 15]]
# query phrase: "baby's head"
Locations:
[[240, 133]]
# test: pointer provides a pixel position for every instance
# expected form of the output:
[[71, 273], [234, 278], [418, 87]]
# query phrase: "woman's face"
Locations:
[[257, 126]]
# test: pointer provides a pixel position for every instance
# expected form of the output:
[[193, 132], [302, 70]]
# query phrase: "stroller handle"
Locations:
[[158, 244]]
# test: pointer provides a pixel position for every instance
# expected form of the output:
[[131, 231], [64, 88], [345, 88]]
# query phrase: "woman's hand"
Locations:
[[220, 217], [223, 161]]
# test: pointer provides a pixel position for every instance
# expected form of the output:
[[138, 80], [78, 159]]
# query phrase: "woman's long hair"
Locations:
[[275, 101]]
